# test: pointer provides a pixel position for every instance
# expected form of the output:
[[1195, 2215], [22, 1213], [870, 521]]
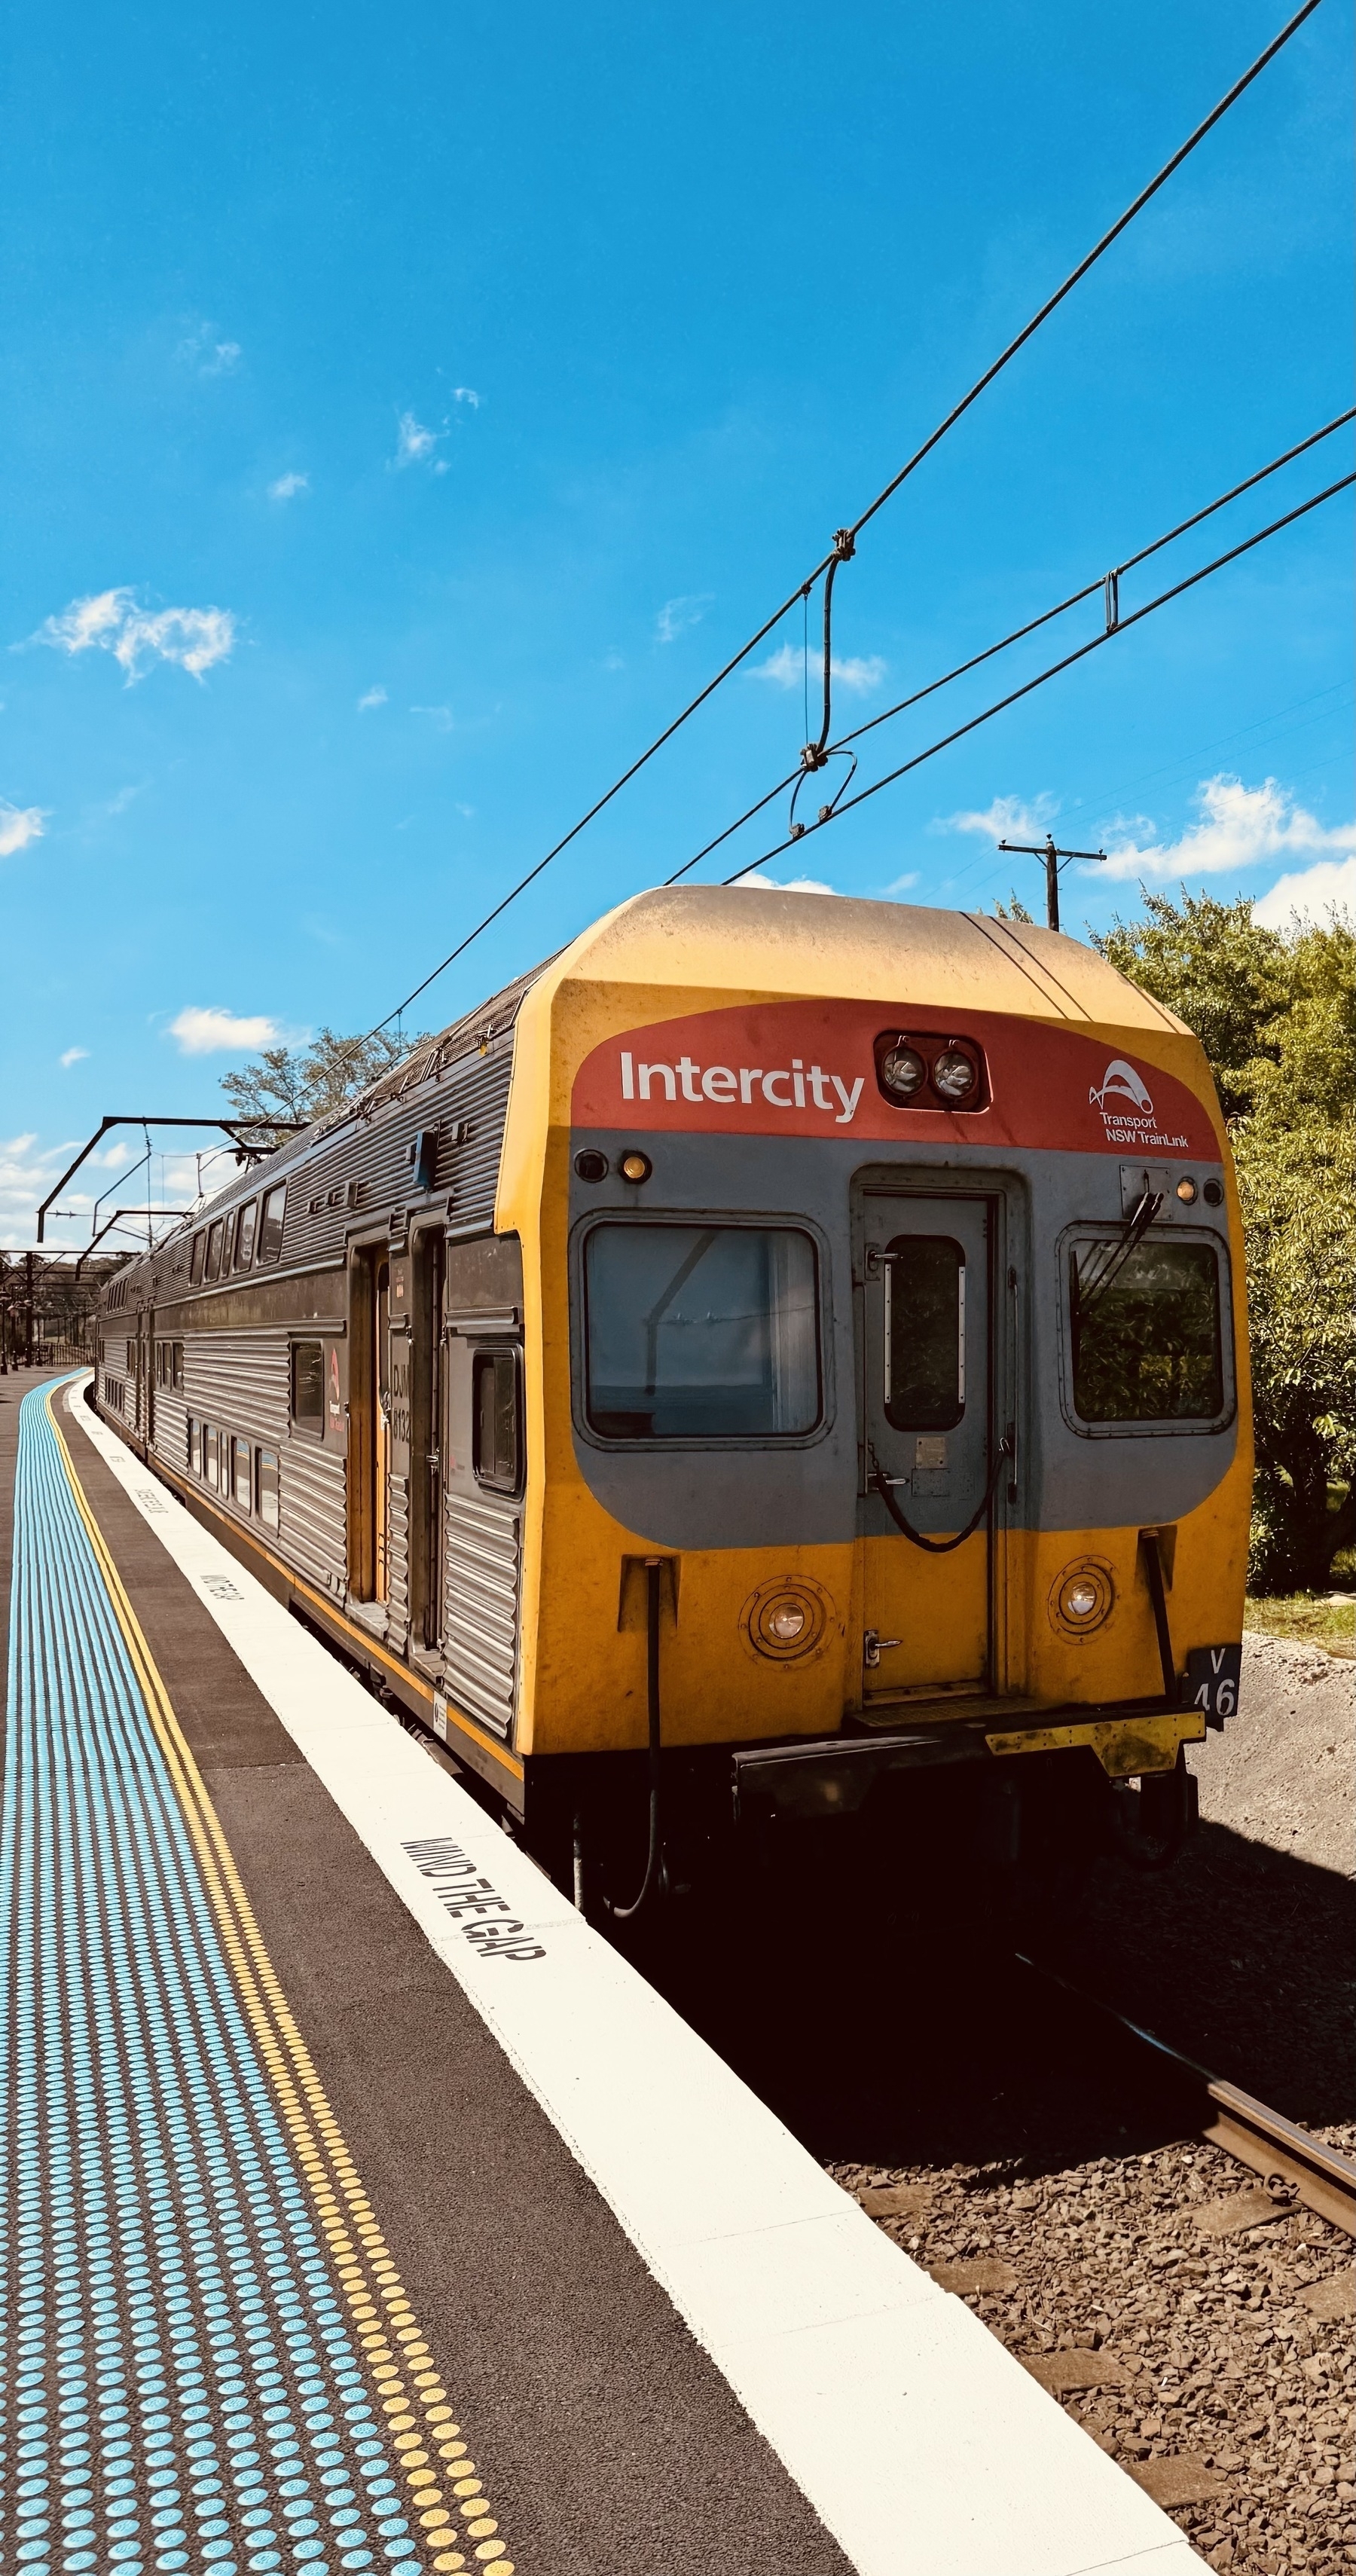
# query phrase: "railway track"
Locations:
[[1248, 2130]]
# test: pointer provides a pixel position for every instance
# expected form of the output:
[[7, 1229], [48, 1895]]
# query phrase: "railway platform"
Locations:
[[363, 2207]]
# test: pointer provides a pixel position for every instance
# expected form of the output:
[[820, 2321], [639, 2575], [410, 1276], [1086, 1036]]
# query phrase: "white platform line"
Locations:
[[924, 2447]]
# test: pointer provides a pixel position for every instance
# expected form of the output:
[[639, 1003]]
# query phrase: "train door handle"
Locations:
[[874, 1646]]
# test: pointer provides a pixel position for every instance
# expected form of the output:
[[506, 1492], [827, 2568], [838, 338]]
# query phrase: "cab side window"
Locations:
[[308, 1388], [270, 1242], [496, 1426]]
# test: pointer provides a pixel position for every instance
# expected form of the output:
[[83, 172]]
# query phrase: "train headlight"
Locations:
[[1082, 1597], [953, 1075], [635, 1167], [786, 1621], [903, 1071], [1186, 1191]]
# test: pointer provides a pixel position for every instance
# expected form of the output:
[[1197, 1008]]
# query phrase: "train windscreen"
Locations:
[[1146, 1333], [701, 1332]]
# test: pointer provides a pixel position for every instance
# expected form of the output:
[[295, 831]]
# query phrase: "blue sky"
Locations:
[[403, 415]]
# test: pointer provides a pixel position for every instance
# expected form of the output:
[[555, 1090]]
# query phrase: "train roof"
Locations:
[[757, 941]]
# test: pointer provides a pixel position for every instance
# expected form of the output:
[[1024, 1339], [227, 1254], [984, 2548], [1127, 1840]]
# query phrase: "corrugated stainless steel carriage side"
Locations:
[[184, 1358]]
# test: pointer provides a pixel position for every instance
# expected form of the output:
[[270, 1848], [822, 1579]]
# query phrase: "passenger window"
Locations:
[[266, 1486], [924, 1332], [195, 1447], [308, 1386], [494, 1420], [244, 1481], [270, 1242], [701, 1332], [196, 1260], [244, 1234], [209, 1456], [177, 1366], [215, 1234], [1146, 1332]]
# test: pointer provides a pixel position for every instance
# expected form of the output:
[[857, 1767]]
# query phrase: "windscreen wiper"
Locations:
[[1094, 1288]]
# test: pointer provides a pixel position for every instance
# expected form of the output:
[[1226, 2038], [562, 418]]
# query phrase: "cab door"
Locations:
[[927, 1430]]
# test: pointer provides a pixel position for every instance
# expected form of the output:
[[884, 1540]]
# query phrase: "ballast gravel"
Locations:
[[1217, 2367], [1213, 2357]]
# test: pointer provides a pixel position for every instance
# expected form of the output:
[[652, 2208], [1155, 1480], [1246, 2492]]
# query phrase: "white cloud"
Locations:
[[414, 443], [210, 1032], [25, 1177], [440, 717], [788, 885], [677, 615], [467, 394], [195, 638], [96, 620], [372, 698], [288, 486], [19, 824], [1240, 827], [210, 356], [1313, 893], [110, 620], [901, 885], [73, 1055], [785, 668], [1009, 818]]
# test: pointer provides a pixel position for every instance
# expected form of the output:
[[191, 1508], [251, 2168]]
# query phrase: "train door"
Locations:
[[369, 1443], [484, 1462], [928, 1439], [381, 1433], [427, 1402]]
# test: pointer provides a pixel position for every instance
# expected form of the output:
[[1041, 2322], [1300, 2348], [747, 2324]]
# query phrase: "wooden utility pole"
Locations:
[[1054, 860]]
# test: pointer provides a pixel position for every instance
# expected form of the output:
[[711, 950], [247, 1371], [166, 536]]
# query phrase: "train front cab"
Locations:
[[932, 1410]]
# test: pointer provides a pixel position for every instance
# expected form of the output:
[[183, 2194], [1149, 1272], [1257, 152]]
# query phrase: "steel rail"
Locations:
[[1245, 2128]]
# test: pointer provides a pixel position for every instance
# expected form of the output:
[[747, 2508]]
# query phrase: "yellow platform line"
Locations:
[[395, 2350]]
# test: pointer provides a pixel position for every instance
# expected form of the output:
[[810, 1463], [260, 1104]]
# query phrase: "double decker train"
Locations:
[[783, 1359]]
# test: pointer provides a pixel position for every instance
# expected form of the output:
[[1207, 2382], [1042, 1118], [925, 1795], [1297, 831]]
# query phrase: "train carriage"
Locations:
[[784, 1359]]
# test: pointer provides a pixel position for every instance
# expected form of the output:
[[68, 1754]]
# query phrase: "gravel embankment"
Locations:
[[1218, 2367]]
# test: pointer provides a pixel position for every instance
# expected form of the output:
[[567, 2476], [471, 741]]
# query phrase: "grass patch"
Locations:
[[1309, 1616]]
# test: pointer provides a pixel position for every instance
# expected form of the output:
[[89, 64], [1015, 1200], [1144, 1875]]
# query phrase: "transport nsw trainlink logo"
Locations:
[[1128, 1110], [719, 1083], [1121, 1080]]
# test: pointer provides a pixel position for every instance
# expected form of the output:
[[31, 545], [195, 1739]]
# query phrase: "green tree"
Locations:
[[307, 1082], [1216, 968], [1276, 1015]]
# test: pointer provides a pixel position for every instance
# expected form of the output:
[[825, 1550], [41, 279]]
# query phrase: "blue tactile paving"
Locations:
[[181, 2389]]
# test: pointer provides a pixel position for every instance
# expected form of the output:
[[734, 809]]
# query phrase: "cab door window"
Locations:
[[924, 1332]]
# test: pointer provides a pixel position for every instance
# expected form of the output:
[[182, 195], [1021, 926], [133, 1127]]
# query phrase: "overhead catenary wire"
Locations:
[[1019, 633], [1076, 597], [845, 538], [1080, 653]]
